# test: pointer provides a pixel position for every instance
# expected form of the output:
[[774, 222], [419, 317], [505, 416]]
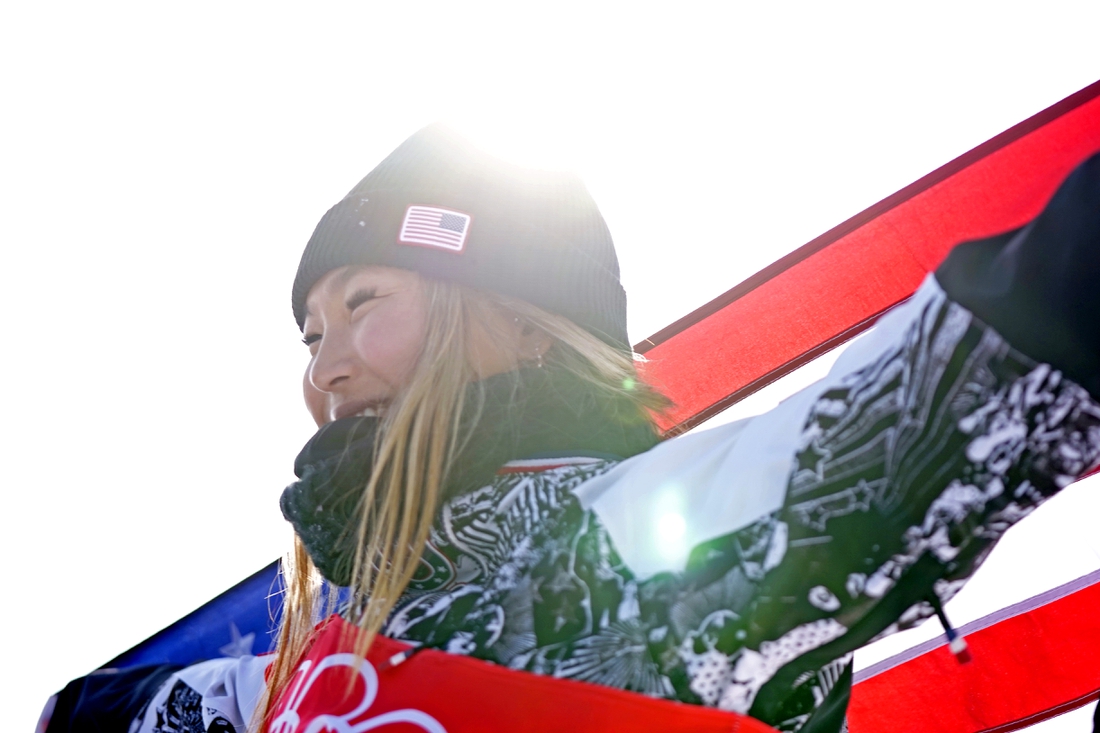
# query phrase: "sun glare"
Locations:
[[670, 528], [523, 137]]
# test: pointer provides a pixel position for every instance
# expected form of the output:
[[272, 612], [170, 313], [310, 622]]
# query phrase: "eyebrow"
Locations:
[[341, 281], [345, 277]]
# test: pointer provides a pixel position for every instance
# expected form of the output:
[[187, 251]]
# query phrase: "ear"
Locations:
[[533, 343]]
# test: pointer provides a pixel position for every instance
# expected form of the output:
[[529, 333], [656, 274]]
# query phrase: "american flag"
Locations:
[[430, 226]]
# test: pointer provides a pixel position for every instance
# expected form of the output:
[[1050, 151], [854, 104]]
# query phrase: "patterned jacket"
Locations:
[[905, 466]]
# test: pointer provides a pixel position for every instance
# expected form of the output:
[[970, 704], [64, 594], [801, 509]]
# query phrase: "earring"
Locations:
[[538, 359]]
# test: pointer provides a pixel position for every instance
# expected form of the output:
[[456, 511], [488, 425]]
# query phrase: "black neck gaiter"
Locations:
[[528, 413]]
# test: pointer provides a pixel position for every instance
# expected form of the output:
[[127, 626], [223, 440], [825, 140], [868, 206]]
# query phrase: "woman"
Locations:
[[487, 481]]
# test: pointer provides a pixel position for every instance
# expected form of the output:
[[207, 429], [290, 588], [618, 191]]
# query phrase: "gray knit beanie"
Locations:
[[441, 207]]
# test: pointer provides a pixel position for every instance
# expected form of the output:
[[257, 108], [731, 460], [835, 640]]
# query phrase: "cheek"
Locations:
[[390, 344]]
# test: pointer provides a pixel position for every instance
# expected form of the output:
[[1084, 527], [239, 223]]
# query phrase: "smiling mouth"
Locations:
[[358, 409]]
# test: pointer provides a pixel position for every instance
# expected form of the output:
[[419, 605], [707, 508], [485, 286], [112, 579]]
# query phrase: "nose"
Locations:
[[332, 366]]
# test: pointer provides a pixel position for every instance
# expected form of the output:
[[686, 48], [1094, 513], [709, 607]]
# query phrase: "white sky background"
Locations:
[[161, 168]]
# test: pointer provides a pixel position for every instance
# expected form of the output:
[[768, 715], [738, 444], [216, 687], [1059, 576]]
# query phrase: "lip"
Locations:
[[357, 407]]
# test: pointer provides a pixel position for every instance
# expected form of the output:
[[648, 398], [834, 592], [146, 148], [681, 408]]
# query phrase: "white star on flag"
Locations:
[[241, 646]]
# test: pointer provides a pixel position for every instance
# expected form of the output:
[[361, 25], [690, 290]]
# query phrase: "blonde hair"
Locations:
[[416, 444]]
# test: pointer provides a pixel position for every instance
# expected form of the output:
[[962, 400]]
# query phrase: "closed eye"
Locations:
[[311, 338], [359, 297]]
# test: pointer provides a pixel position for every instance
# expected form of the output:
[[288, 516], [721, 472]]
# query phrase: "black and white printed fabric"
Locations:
[[218, 696]]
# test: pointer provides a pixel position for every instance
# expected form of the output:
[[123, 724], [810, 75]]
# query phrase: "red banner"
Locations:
[[832, 288], [1035, 661]]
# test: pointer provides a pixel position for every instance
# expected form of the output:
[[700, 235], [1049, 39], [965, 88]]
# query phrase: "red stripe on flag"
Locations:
[[1024, 669], [837, 285]]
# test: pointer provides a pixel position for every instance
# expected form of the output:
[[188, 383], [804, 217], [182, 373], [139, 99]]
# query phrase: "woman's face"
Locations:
[[364, 327]]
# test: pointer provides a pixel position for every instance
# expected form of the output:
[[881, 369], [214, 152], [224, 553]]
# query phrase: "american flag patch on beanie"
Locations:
[[431, 226]]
